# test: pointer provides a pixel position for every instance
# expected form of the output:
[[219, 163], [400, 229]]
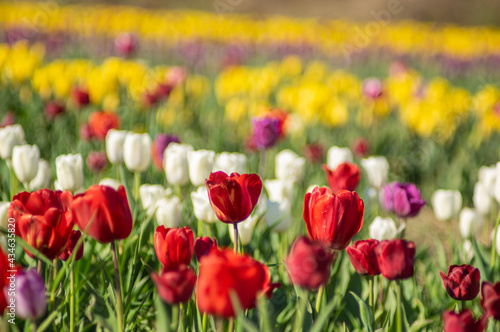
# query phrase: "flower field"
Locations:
[[190, 171]]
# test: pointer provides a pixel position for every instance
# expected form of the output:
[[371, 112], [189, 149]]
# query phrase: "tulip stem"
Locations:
[[137, 184], [299, 319], [371, 298], [72, 300], [39, 267], [230, 325], [493, 245], [262, 169], [319, 298], [399, 312], [13, 181], [200, 228], [235, 229], [119, 305], [204, 322]]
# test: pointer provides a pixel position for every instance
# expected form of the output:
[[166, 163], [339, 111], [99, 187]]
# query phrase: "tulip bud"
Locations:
[[383, 229], [201, 205], [403, 199], [377, 169], [70, 247], [150, 195], [308, 263], [245, 230], [69, 169], [10, 136], [230, 163], [114, 145], [173, 246], [289, 166], [126, 44], [203, 245], [8, 119], [313, 152], [42, 178], [201, 163], [86, 133], [112, 183], [137, 152], [372, 88], [278, 190], [4, 207], [265, 132], [160, 143], [446, 204], [463, 322], [176, 164], [101, 122], [363, 257], [396, 259], [470, 222], [54, 109], [175, 286], [29, 297], [97, 161], [336, 156], [490, 300], [481, 198], [462, 282], [279, 215], [25, 162], [361, 146], [169, 212], [345, 177], [488, 177], [80, 96]]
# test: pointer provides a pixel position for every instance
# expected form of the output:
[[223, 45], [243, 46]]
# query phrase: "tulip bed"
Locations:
[[159, 175]]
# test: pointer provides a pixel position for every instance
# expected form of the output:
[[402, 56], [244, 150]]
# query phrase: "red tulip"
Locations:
[[490, 299], [309, 263], [101, 122], [233, 197], [86, 133], [43, 220], [70, 247], [223, 271], [345, 177], [396, 259], [103, 213], [203, 245], [97, 161], [333, 218], [53, 109], [5, 271], [313, 152], [80, 96], [360, 147], [462, 282], [363, 257], [174, 246], [462, 322], [175, 286]]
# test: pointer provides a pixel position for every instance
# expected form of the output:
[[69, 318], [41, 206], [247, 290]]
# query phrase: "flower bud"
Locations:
[[97, 161], [42, 178], [481, 198], [176, 164], [463, 322], [29, 297], [169, 212], [363, 257], [150, 195], [383, 229], [201, 204], [396, 259], [377, 169], [462, 282], [25, 162], [54, 109], [175, 286], [114, 145], [4, 207], [279, 215], [278, 190], [289, 166], [10, 136], [160, 143], [446, 204], [70, 247], [336, 156], [137, 152], [203, 245], [201, 163], [490, 299], [230, 162], [470, 222], [69, 169]]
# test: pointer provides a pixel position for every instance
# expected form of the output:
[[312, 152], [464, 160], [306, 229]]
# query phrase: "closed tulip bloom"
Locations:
[[333, 218], [279, 215], [345, 177], [313, 152], [126, 44], [363, 257], [372, 88], [201, 163], [69, 169], [173, 246], [150, 195], [278, 190], [482, 199], [265, 132], [245, 230], [470, 222], [403, 199], [488, 177], [446, 204], [289, 166], [175, 286], [42, 177], [230, 162], [490, 299], [42, 220], [169, 212], [97, 161], [308, 263], [396, 259], [71, 245], [101, 122], [223, 271], [203, 245], [176, 163], [10, 136], [25, 162], [29, 297], [462, 282], [201, 205], [377, 169], [361, 147], [463, 322], [233, 197], [4, 219], [336, 156], [136, 152], [103, 213], [114, 145], [53, 109], [110, 183], [383, 229], [160, 143], [80, 96]]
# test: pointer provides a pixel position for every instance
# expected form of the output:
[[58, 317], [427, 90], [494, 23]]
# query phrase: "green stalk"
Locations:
[[200, 228], [299, 319], [262, 167], [72, 300], [119, 301], [319, 298], [493, 245], [137, 184], [371, 301], [204, 322], [399, 311], [13, 181], [175, 317]]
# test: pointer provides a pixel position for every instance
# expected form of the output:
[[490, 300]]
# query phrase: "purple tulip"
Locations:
[[403, 199], [266, 132], [29, 295], [160, 143]]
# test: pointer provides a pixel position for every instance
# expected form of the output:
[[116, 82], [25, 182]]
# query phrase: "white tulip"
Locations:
[[69, 169], [279, 190], [202, 207], [175, 159], [488, 177], [10, 136], [289, 166], [110, 183], [383, 229], [470, 223], [150, 195], [230, 163], [497, 183], [114, 145], [279, 215], [4, 207], [137, 152], [482, 200], [169, 212], [42, 178], [245, 230], [25, 162], [336, 156], [377, 169], [446, 203], [201, 163]]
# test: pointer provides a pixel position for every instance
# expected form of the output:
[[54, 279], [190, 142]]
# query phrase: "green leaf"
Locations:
[[480, 261], [240, 315], [162, 315], [323, 316], [366, 313]]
